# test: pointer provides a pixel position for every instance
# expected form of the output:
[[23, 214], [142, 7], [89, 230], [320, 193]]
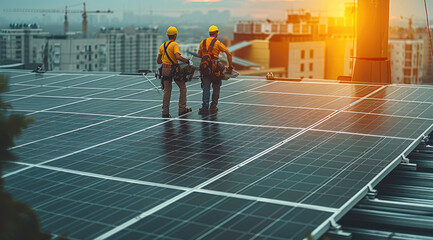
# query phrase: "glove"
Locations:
[[229, 70], [187, 62]]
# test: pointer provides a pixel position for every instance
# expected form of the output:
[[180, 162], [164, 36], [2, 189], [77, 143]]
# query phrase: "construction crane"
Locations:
[[84, 13]]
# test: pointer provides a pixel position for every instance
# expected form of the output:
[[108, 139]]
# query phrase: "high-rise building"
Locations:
[[16, 43], [406, 60], [72, 54], [296, 44], [188, 49], [131, 49]]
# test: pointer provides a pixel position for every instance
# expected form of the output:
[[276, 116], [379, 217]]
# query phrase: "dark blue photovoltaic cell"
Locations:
[[82, 207], [177, 153], [377, 124], [47, 125], [406, 93], [205, 216], [271, 146], [291, 100], [66, 144], [317, 168], [396, 108], [342, 90]]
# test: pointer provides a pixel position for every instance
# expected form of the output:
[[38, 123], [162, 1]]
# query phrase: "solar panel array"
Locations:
[[280, 160]]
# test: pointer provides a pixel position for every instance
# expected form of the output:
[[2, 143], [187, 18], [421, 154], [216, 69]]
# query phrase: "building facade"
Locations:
[[16, 43], [131, 49], [188, 50], [296, 44], [406, 57], [69, 54]]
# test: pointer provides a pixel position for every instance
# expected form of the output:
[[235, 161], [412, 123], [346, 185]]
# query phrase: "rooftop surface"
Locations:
[[280, 159]]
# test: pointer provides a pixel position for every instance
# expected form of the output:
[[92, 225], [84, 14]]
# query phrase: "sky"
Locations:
[[273, 9]]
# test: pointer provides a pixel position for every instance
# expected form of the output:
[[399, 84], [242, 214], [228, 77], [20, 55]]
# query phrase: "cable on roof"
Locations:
[[428, 28]]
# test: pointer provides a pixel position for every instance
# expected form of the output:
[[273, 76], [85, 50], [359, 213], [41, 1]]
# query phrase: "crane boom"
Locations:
[[52, 10], [84, 13]]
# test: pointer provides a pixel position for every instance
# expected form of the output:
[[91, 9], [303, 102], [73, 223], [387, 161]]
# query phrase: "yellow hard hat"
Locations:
[[171, 31], [213, 28]]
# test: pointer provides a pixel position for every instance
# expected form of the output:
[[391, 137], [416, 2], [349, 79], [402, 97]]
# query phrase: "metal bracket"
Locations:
[[335, 225], [425, 139], [335, 232], [404, 160], [372, 193]]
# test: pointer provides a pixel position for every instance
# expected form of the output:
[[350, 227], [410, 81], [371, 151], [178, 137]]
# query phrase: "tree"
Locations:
[[17, 220]]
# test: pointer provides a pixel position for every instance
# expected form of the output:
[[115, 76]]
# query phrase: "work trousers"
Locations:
[[167, 95], [206, 82]]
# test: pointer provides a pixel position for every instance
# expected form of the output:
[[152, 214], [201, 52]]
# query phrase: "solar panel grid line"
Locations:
[[174, 187], [43, 78], [304, 153], [19, 90], [200, 186], [227, 220], [64, 104], [304, 94], [88, 126], [345, 167], [143, 215], [100, 144], [51, 108], [258, 125], [65, 80], [81, 150], [234, 168], [322, 228], [234, 124], [242, 124], [246, 104], [38, 94], [22, 75]]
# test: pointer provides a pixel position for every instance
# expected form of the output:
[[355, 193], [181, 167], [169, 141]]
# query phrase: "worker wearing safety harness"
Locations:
[[209, 51], [168, 56]]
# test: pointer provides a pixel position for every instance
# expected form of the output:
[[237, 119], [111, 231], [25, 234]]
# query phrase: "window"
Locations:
[[78, 66], [302, 54], [311, 53], [78, 47], [96, 56], [406, 72], [311, 67], [310, 77], [96, 65], [302, 67], [96, 47], [78, 57]]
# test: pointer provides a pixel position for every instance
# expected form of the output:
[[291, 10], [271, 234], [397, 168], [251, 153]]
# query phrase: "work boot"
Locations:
[[184, 111], [203, 111], [213, 109], [166, 115]]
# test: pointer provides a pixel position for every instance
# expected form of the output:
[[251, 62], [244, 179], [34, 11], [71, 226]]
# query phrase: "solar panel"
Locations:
[[280, 159]]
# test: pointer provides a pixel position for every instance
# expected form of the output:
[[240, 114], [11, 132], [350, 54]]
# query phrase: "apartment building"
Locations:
[[16, 43], [131, 49]]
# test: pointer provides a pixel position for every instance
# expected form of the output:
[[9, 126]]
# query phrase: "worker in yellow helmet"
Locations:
[[168, 56], [209, 51]]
